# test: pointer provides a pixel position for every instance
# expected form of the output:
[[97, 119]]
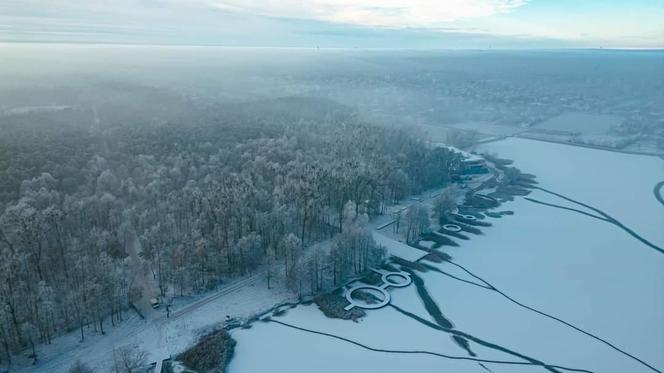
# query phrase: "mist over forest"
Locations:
[[198, 165], [101, 88]]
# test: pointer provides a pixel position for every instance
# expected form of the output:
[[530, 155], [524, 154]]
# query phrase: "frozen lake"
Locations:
[[583, 270]]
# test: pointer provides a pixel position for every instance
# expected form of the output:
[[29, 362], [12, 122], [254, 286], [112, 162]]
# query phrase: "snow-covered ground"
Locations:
[[161, 336], [397, 248], [585, 271], [619, 184]]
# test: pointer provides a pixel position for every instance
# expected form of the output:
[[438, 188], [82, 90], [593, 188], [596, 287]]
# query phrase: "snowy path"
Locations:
[[161, 336], [139, 277]]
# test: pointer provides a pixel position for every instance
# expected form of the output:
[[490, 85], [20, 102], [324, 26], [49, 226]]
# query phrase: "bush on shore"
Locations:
[[212, 353], [332, 305]]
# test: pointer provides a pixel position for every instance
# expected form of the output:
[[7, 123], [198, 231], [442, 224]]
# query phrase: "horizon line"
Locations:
[[315, 47]]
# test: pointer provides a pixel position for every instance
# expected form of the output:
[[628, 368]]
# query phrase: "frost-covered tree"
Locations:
[[128, 359], [354, 250], [93, 220], [445, 202], [417, 221]]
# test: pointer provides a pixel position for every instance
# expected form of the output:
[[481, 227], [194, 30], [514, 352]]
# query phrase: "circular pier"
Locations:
[[452, 228], [394, 279]]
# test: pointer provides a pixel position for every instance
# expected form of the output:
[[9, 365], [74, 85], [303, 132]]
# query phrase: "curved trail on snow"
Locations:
[[490, 287], [601, 215], [658, 192], [445, 325], [420, 352], [566, 208], [529, 361]]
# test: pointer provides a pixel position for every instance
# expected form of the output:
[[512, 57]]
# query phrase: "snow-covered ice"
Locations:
[[585, 271], [617, 183]]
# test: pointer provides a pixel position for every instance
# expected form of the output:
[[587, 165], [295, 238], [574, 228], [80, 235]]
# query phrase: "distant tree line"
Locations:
[[206, 201]]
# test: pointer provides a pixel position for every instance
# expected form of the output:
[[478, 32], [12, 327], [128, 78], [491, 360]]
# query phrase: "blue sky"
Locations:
[[340, 23]]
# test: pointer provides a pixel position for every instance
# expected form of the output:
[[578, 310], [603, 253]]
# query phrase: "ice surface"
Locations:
[[616, 183], [586, 271]]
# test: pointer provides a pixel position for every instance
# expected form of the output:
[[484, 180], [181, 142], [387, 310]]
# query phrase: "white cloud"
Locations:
[[382, 13]]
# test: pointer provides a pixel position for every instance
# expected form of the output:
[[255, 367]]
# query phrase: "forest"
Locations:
[[193, 203]]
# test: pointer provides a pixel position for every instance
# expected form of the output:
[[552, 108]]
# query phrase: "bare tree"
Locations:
[[127, 359], [446, 201], [417, 221]]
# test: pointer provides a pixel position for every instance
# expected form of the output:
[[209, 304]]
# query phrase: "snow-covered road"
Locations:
[[161, 336]]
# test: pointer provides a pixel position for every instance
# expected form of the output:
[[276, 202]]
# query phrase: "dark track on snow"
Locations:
[[658, 192], [486, 285], [420, 352], [601, 215], [461, 338]]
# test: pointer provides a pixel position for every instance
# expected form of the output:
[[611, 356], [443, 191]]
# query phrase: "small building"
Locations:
[[473, 164]]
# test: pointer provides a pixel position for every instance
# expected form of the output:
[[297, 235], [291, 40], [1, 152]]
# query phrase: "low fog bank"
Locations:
[[595, 97]]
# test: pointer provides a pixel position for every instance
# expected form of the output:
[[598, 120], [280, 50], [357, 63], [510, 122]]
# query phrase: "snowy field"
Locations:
[[619, 184], [582, 270], [589, 124]]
